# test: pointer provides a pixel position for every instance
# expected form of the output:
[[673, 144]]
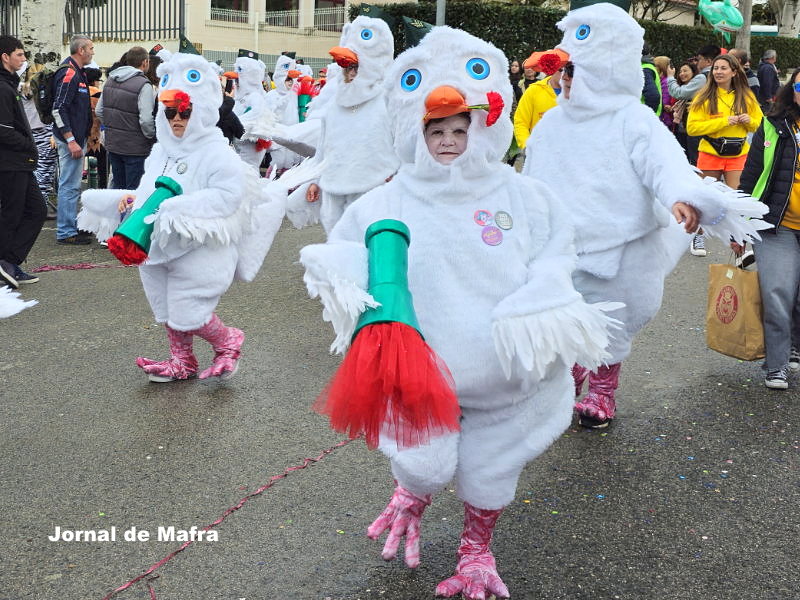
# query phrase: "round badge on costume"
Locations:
[[492, 235], [482, 217], [503, 220], [182, 168]]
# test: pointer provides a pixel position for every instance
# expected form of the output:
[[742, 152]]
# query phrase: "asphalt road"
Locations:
[[692, 494]]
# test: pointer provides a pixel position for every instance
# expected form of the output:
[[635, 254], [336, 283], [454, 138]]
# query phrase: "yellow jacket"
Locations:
[[702, 123], [537, 100]]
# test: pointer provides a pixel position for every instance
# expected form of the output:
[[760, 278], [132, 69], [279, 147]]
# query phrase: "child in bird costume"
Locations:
[[489, 262], [213, 225]]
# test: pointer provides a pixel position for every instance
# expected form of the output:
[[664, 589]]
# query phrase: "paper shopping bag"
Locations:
[[733, 314]]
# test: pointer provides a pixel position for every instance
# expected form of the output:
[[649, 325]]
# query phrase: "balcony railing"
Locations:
[[229, 16], [329, 19]]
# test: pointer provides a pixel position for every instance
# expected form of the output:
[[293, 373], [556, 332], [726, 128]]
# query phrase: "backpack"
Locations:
[[42, 92]]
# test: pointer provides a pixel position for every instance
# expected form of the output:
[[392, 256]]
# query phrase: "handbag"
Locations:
[[726, 146], [733, 314]]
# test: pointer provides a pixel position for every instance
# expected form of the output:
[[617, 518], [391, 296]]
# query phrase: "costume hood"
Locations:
[[283, 65], [605, 45], [251, 74], [372, 42]]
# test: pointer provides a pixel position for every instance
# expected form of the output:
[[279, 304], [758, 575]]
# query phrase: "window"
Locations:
[[279, 5], [230, 4]]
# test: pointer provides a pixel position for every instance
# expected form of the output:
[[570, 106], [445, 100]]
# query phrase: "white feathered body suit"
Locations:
[[222, 225], [620, 171], [490, 261], [283, 104], [250, 107], [355, 139]]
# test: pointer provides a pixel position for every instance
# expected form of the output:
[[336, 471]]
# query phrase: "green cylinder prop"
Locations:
[[387, 242], [137, 228], [92, 172], [303, 100]]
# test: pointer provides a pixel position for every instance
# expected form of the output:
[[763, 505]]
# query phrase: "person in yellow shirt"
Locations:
[[540, 96], [723, 113], [772, 174]]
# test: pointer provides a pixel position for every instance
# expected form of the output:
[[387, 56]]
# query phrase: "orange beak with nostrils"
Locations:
[[344, 57], [444, 101]]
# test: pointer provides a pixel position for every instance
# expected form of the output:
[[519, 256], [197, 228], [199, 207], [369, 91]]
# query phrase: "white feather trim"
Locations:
[[299, 211], [223, 230], [99, 212], [337, 274], [576, 333], [261, 125], [739, 220], [10, 303], [267, 217]]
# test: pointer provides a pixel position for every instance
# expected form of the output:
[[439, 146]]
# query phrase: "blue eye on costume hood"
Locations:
[[164, 80], [366, 34], [478, 68], [583, 32], [193, 76], [410, 80]]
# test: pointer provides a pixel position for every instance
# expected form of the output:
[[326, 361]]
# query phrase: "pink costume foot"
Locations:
[[227, 343], [598, 408], [181, 365], [402, 516], [476, 573], [579, 375]]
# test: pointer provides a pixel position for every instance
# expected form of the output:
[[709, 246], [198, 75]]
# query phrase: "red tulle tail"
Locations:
[[127, 252], [391, 382]]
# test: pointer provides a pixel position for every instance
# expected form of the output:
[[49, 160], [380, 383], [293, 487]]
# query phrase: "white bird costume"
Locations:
[[11, 303], [218, 229], [622, 173], [282, 101], [250, 107], [356, 140], [489, 267]]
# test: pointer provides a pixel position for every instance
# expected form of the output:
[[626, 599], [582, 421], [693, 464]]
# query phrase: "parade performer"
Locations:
[[625, 173], [251, 106], [219, 228], [356, 141], [282, 101], [489, 266]]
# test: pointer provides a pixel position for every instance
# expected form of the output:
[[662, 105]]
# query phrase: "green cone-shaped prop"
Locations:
[[387, 242], [137, 227]]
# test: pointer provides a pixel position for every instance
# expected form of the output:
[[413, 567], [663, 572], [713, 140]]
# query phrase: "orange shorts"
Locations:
[[709, 162]]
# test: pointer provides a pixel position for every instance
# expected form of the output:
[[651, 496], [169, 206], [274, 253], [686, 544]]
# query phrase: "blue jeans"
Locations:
[[126, 171], [69, 188], [778, 260]]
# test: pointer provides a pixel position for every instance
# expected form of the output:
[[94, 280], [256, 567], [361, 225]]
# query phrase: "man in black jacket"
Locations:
[[22, 208], [72, 117]]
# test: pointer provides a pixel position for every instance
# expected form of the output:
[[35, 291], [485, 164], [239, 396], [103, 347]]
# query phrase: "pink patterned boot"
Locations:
[[227, 342], [598, 407], [579, 374], [476, 573], [402, 516], [181, 365]]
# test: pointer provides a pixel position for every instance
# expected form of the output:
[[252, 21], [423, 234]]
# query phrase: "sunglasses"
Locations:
[[353, 68], [796, 87], [171, 113], [568, 69]]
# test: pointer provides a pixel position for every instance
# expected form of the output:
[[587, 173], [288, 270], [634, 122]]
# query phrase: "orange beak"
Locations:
[[444, 101], [344, 57], [230, 75], [174, 98], [292, 74]]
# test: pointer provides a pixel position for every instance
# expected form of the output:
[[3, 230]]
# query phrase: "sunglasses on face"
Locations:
[[353, 68], [171, 113], [568, 69], [796, 87]]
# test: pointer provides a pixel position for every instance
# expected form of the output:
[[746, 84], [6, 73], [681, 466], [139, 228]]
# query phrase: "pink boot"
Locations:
[[181, 365], [402, 516], [476, 573], [598, 407], [579, 374], [226, 341]]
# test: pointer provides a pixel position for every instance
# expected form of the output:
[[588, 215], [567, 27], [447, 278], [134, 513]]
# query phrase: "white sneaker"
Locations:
[[794, 360], [698, 245], [777, 379]]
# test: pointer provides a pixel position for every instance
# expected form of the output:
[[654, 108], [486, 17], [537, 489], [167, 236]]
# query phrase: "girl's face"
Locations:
[[685, 74], [722, 73], [514, 67], [447, 138]]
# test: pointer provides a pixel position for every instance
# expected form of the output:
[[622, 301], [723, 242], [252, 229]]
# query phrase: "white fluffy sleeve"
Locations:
[[662, 166], [99, 212], [547, 318], [10, 303], [337, 273]]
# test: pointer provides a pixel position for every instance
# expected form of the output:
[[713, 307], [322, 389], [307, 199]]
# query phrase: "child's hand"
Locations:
[[125, 203], [312, 193]]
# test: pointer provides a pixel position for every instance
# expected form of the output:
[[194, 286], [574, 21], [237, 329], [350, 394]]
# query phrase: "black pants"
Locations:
[[22, 214]]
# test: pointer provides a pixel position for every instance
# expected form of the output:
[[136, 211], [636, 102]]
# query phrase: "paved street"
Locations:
[[692, 494]]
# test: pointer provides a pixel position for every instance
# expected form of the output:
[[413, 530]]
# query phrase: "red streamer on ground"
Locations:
[[126, 251], [391, 382], [306, 462], [74, 267]]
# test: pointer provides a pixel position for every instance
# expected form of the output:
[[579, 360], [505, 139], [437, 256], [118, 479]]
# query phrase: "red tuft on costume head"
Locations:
[[175, 99], [550, 63]]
